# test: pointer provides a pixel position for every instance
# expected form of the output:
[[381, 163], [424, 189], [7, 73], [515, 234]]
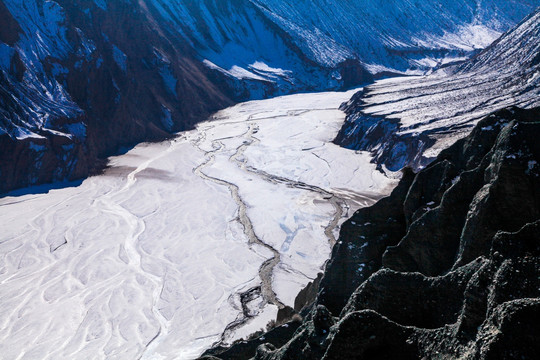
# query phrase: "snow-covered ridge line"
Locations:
[[408, 121]]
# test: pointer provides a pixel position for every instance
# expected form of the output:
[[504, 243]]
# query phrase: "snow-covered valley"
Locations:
[[182, 244], [75, 86]]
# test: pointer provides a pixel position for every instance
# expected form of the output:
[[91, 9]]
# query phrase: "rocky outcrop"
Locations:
[[446, 267], [363, 240], [244, 349]]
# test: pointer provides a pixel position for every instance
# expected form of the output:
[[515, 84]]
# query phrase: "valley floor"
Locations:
[[184, 243]]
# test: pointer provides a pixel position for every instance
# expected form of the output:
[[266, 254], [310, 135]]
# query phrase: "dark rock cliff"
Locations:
[[446, 267]]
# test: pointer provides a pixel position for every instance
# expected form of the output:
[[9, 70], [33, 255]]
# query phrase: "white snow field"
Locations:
[[185, 243]]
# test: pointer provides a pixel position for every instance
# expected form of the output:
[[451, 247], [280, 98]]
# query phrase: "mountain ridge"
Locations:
[[408, 121], [82, 79], [436, 268]]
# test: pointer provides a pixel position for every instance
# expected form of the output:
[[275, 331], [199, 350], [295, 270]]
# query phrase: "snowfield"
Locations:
[[185, 243]]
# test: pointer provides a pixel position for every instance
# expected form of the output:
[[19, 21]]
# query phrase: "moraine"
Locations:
[[150, 259]]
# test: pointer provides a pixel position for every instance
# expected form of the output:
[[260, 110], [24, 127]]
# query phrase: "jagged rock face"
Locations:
[[362, 242], [245, 349], [408, 121], [458, 274]]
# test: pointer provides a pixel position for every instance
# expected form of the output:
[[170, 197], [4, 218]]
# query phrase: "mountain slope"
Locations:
[[395, 34], [407, 121], [74, 87], [81, 79], [252, 53], [281, 42]]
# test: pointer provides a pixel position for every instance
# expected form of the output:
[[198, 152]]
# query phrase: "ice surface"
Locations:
[[150, 259]]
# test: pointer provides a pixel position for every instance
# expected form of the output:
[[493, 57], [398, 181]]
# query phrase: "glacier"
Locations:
[[202, 239], [150, 259]]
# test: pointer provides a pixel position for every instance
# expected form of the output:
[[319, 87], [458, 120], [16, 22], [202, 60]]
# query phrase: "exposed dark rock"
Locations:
[[478, 203], [363, 240], [368, 335], [308, 294], [413, 299], [353, 73], [460, 277], [246, 349], [10, 29], [322, 320], [379, 135], [285, 314]]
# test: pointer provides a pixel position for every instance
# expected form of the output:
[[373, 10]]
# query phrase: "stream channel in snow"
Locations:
[[184, 243]]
